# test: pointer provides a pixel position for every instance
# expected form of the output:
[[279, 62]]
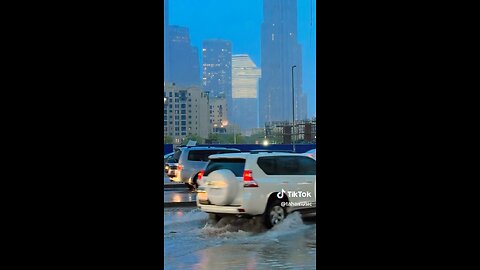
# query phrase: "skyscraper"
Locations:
[[166, 73], [280, 51], [245, 75], [182, 58], [217, 69]]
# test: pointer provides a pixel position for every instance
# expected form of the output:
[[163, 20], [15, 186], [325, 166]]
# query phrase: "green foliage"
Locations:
[[167, 139]]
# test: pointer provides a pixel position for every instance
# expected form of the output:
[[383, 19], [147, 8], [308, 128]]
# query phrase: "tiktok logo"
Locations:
[[280, 194]]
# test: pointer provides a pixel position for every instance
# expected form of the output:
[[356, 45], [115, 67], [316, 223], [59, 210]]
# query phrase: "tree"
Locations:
[[167, 139]]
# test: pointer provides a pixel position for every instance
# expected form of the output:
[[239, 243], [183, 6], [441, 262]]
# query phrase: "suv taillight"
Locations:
[[248, 179], [179, 167], [200, 174]]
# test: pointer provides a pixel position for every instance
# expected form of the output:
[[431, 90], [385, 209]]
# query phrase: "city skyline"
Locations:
[[240, 22]]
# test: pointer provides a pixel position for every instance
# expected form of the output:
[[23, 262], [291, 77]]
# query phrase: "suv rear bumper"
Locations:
[[221, 209], [248, 207]]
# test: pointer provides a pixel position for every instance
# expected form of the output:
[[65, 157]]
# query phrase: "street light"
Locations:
[[293, 110]]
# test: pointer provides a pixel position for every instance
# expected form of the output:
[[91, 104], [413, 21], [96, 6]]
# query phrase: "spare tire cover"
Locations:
[[222, 187]]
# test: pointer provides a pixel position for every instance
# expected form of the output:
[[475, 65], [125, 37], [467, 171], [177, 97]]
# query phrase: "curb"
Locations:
[[179, 204]]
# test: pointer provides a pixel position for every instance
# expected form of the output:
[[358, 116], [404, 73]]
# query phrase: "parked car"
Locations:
[[187, 162], [312, 153], [266, 184]]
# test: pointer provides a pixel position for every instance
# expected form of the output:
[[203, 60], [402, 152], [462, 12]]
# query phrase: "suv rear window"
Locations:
[[287, 165], [202, 155], [236, 165]]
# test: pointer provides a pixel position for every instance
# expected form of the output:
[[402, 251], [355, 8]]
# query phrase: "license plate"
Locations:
[[202, 196]]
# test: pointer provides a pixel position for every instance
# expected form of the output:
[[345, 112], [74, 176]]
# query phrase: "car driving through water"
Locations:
[[266, 184]]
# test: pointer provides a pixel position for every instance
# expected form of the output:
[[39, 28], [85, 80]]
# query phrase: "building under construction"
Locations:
[[305, 131]]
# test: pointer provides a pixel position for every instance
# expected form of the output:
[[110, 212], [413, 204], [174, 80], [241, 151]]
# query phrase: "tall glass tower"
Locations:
[[280, 51]]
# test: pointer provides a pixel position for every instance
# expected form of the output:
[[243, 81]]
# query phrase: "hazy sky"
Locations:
[[239, 21]]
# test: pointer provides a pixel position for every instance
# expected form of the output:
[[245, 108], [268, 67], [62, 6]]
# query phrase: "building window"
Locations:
[[183, 112], [184, 123]]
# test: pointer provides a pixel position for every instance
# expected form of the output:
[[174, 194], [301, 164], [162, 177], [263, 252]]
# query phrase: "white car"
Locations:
[[312, 153], [264, 184]]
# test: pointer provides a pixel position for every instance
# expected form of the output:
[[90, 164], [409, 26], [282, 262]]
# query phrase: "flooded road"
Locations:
[[179, 195], [236, 243]]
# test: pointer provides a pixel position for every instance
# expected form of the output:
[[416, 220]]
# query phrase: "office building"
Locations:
[[279, 52], [217, 69], [218, 114], [182, 58], [245, 75]]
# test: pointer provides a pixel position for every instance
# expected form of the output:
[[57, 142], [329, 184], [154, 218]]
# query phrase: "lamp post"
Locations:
[[293, 110]]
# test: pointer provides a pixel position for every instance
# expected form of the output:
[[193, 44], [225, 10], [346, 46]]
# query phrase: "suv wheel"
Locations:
[[190, 187], [275, 213], [194, 182], [213, 218]]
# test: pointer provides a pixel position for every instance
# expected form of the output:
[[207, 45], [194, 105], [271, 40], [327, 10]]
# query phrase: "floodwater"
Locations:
[[236, 243], [179, 195]]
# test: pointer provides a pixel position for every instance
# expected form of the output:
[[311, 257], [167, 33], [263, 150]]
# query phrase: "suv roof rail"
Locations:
[[270, 151]]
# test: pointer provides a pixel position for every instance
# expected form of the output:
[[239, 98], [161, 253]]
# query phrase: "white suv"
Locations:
[[258, 183]]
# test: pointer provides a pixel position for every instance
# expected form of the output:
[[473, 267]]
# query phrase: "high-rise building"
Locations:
[[166, 52], [280, 51], [217, 69], [181, 58], [245, 75], [186, 111], [218, 114]]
